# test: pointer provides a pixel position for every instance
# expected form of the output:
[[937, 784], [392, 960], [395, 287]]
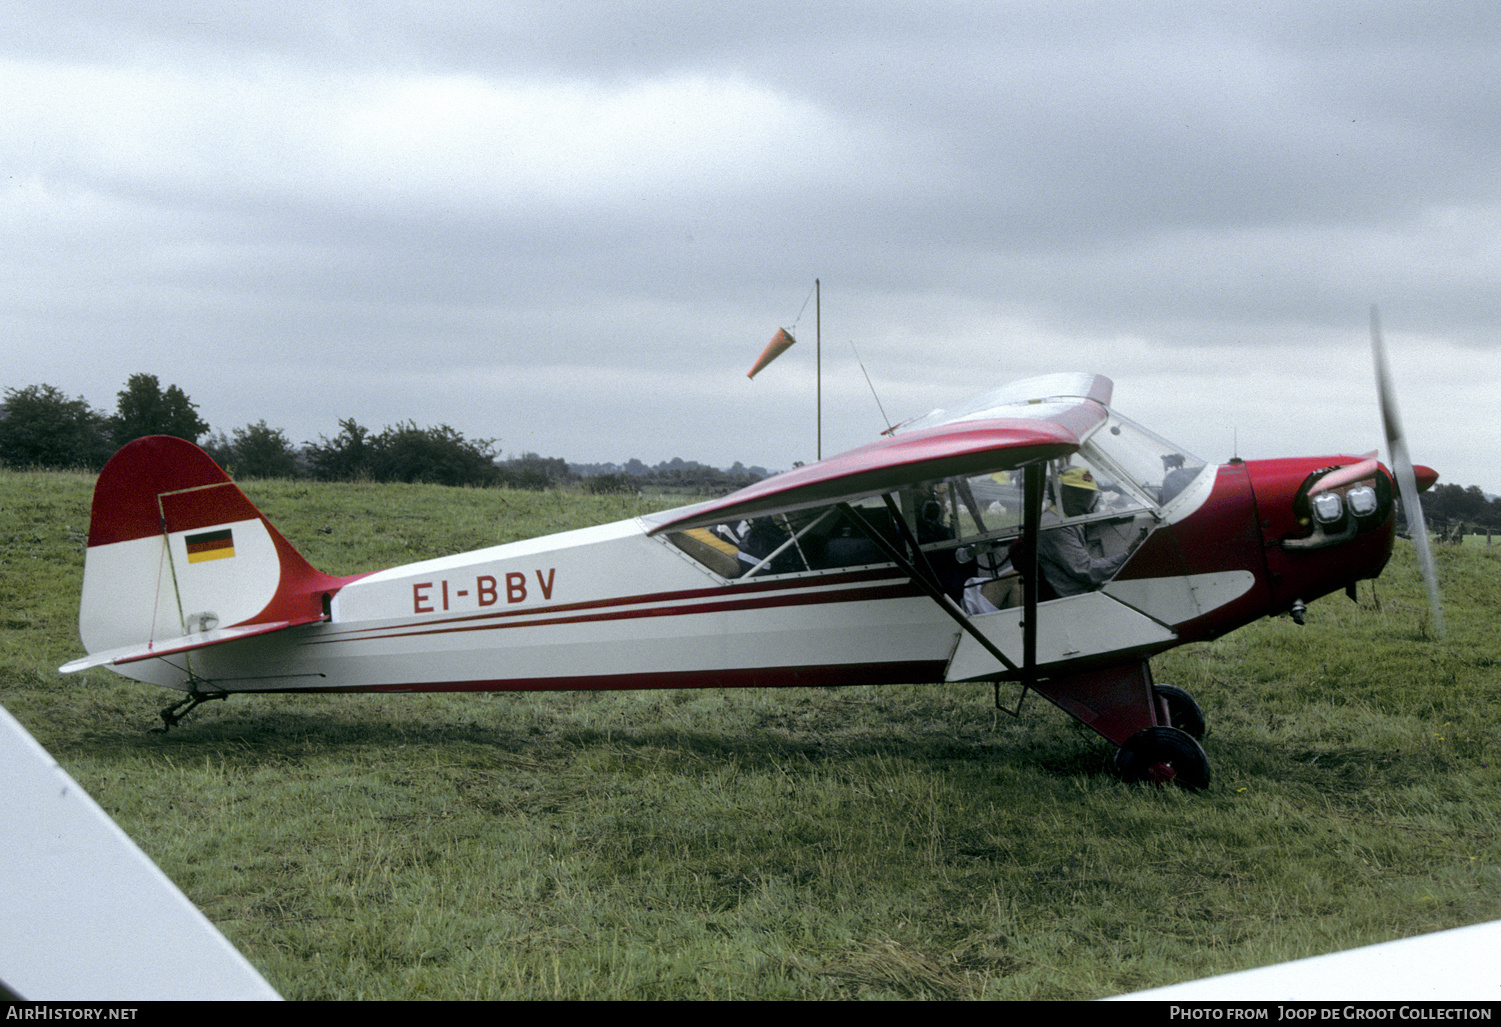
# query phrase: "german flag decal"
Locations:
[[210, 545]]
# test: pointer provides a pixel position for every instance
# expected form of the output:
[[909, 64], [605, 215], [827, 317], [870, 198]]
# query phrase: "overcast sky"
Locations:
[[572, 226]]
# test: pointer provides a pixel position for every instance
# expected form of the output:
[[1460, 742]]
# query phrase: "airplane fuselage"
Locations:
[[1030, 534], [613, 607]]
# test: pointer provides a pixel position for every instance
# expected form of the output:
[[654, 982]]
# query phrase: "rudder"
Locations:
[[176, 550]]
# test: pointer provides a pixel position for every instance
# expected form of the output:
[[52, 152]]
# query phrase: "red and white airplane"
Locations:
[[948, 550]]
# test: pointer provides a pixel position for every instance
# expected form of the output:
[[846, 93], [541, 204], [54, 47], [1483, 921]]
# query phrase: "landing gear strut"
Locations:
[[1156, 726], [1183, 712], [175, 713]]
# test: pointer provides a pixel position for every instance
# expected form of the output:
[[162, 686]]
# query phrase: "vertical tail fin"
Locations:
[[177, 550]]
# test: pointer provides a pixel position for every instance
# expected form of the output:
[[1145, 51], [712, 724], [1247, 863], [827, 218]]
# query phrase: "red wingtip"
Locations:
[[1426, 476]]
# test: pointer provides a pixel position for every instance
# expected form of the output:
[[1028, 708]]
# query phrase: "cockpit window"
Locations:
[[817, 539], [970, 521], [1156, 467], [983, 504]]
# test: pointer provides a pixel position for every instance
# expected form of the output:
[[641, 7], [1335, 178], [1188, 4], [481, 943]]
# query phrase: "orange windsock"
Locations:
[[775, 348]]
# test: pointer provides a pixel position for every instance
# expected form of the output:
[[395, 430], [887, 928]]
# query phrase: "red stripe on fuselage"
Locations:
[[746, 597], [847, 595], [905, 672]]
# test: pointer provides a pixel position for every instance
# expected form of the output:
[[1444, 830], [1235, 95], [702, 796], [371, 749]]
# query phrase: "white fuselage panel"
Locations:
[[606, 603]]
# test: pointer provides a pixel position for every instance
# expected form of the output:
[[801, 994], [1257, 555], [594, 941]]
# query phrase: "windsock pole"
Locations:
[[779, 344]]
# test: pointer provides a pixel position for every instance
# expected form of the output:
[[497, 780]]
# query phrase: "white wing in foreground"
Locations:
[[84, 913], [1446, 966]]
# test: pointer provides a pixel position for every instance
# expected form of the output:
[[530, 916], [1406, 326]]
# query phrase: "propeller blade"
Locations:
[[1344, 475], [1407, 483]]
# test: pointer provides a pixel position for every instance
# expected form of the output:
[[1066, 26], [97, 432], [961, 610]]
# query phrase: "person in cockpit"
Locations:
[[1063, 552]]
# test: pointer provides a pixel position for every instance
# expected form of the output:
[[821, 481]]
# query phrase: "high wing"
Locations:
[[1022, 423], [88, 915], [1002, 400]]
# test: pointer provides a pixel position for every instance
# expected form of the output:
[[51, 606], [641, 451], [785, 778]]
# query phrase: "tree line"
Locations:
[[1450, 507], [41, 427]]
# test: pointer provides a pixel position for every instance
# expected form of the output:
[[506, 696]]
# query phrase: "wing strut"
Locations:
[[1032, 489], [920, 571]]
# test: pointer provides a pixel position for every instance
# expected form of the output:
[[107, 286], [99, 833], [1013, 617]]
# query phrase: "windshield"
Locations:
[[1157, 468], [1119, 479]]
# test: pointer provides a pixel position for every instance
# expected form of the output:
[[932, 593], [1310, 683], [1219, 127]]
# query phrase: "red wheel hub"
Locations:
[[1162, 774]]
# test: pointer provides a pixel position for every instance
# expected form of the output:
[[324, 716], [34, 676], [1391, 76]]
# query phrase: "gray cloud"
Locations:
[[573, 226]]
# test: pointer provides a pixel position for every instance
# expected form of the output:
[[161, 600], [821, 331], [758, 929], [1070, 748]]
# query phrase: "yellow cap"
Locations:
[[1079, 478]]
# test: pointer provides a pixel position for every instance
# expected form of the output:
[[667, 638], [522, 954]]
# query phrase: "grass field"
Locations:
[[902, 841]]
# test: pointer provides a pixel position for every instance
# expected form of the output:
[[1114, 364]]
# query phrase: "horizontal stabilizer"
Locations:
[[198, 640]]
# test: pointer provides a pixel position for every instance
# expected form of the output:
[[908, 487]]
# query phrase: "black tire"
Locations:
[[1183, 711], [1164, 755]]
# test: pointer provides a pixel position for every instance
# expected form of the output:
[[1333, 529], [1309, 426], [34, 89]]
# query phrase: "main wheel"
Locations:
[[1164, 755], [1182, 710]]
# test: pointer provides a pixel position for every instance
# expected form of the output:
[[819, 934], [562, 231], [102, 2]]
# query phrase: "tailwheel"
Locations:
[[1164, 755], [172, 715], [1183, 712]]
